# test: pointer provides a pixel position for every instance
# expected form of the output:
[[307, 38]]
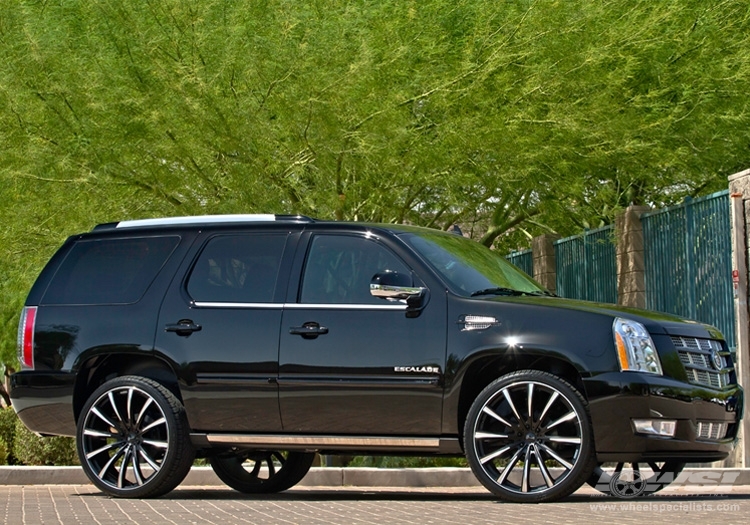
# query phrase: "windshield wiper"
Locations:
[[500, 290], [542, 293], [497, 291]]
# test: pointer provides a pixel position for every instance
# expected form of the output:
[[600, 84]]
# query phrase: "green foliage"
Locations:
[[406, 462], [511, 118], [30, 449], [8, 420], [18, 445]]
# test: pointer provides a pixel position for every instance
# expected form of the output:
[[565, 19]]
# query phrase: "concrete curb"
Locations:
[[317, 477]]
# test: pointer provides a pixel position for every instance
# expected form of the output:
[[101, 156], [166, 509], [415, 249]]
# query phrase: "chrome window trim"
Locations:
[[210, 304], [338, 306], [300, 306]]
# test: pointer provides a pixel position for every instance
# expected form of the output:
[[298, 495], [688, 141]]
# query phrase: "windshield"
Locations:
[[471, 268]]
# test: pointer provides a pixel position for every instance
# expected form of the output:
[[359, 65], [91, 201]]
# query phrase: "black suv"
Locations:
[[258, 340]]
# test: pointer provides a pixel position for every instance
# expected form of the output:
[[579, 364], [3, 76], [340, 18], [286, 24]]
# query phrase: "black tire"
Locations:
[[630, 480], [133, 438], [520, 419], [245, 473]]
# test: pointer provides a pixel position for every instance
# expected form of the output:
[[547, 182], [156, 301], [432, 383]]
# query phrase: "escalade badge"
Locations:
[[418, 369]]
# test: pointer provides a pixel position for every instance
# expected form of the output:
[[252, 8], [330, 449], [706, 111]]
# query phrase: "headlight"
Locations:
[[635, 349]]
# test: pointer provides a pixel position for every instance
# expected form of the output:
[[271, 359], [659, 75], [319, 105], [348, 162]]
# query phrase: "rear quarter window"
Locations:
[[112, 271]]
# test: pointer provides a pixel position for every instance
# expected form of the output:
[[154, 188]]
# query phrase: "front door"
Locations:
[[351, 363]]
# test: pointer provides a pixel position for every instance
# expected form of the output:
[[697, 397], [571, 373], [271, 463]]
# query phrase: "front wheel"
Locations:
[[133, 439], [262, 472], [528, 438]]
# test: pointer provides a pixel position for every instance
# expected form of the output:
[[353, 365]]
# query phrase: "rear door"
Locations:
[[351, 363], [220, 325]]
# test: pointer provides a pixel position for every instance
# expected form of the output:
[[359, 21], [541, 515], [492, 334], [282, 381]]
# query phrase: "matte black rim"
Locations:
[[528, 437]]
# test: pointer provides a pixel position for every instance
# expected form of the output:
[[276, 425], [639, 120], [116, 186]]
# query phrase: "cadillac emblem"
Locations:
[[717, 359]]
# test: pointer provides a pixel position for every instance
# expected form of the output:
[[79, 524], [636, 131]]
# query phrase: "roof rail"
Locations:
[[203, 219]]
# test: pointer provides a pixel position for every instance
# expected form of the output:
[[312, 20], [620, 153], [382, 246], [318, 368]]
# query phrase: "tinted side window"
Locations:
[[339, 270], [237, 269], [115, 271]]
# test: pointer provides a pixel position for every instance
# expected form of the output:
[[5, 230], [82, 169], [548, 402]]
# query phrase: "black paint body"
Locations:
[[376, 372]]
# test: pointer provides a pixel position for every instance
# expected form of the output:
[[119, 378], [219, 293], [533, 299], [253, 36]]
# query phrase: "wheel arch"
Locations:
[[98, 369], [490, 366], [525, 422]]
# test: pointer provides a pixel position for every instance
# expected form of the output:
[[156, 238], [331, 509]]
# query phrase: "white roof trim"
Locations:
[[197, 219]]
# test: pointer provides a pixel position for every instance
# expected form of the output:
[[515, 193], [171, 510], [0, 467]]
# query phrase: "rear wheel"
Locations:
[[528, 438], [630, 480], [262, 472], [133, 438]]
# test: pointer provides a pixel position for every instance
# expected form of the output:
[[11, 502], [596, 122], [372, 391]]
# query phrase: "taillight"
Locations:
[[26, 337]]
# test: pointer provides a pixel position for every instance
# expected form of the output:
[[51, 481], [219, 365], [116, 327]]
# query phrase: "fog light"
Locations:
[[655, 427]]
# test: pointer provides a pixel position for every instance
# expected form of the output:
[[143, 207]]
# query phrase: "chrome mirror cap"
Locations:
[[394, 286]]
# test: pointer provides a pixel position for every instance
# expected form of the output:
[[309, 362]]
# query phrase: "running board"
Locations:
[[431, 445]]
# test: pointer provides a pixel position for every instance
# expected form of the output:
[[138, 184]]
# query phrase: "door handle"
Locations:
[[183, 327], [309, 330]]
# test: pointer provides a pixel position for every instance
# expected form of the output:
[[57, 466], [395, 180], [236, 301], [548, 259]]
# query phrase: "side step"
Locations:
[[363, 444]]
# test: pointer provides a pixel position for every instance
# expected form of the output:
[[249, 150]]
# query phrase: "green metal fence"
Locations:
[[523, 260], [586, 266], [687, 251]]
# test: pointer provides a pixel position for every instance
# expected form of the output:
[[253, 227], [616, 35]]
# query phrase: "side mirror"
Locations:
[[394, 286]]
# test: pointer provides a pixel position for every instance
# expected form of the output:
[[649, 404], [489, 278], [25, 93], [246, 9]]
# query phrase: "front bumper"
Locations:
[[44, 401], [615, 399]]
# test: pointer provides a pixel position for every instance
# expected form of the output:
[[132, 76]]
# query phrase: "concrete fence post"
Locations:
[[739, 190]]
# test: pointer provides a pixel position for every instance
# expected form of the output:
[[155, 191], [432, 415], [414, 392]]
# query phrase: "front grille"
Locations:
[[712, 431], [705, 361]]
